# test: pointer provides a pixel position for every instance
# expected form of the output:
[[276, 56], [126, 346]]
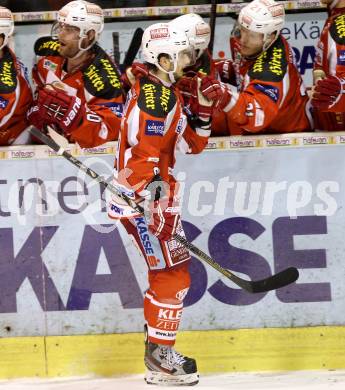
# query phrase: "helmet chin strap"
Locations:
[[171, 77], [5, 41], [169, 73], [81, 49]]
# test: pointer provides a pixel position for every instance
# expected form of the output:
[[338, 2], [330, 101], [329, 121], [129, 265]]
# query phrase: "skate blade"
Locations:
[[159, 378]]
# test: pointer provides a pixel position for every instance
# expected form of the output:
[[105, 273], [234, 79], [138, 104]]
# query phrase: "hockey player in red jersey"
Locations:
[[269, 96], [198, 32], [328, 96], [154, 127], [15, 91], [78, 86]]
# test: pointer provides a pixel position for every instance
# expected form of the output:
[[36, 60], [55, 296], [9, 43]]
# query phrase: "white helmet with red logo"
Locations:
[[197, 30], [6, 25], [164, 38], [263, 16], [83, 15]]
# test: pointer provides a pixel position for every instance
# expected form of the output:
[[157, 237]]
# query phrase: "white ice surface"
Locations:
[[301, 380]]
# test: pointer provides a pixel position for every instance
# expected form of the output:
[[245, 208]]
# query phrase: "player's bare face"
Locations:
[[68, 37], [251, 43]]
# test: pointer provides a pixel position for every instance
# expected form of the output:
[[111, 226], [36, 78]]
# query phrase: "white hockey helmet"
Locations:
[[197, 30], [263, 16], [83, 15], [164, 38], [6, 25]]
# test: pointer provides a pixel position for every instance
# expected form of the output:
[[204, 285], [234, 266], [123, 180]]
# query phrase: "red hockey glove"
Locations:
[[226, 71], [187, 86], [217, 92], [198, 105], [326, 92], [164, 219], [136, 71], [139, 70], [35, 116], [56, 107]]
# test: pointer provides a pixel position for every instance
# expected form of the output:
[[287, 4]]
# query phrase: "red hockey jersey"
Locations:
[[97, 85], [270, 96], [15, 97], [153, 129], [330, 57]]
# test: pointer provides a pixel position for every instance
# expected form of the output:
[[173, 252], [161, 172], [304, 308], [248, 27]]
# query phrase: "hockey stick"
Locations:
[[116, 47], [281, 279], [133, 49]]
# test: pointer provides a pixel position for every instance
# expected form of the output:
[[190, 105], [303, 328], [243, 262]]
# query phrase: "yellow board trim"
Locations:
[[215, 351]]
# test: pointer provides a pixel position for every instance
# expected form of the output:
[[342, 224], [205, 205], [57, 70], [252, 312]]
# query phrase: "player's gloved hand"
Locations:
[[35, 115], [161, 212], [132, 73], [139, 70], [164, 218], [226, 71], [215, 91], [199, 106], [187, 86], [326, 92], [56, 107]]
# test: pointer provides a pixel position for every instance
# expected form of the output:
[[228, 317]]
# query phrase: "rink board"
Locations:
[[257, 205], [59, 332], [275, 349]]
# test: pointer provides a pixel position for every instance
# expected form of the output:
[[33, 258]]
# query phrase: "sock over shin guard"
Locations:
[[163, 303]]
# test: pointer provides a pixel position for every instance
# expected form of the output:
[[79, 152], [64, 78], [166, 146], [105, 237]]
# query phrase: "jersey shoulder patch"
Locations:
[[47, 46], [101, 77], [8, 73], [271, 65], [155, 99], [337, 29]]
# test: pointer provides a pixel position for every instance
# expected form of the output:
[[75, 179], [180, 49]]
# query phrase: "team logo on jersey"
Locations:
[[154, 127], [179, 126], [271, 65], [155, 99], [8, 75], [116, 108], [47, 46], [47, 64], [269, 90], [150, 93], [102, 78], [337, 29], [3, 103], [341, 57], [164, 98], [144, 236]]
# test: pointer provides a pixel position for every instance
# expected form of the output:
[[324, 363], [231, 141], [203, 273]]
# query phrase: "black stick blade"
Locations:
[[281, 279]]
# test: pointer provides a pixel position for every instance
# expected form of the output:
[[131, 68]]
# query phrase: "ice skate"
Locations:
[[165, 366]]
